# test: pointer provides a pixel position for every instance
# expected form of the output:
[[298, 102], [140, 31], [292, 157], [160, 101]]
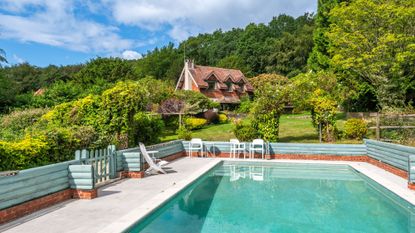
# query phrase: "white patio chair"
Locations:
[[152, 165], [195, 144], [236, 148], [257, 145]]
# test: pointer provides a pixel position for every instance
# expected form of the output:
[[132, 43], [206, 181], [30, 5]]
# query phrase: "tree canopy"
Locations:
[[374, 41]]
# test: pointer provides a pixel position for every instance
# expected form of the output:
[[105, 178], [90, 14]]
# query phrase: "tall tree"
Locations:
[[374, 41], [105, 70], [28, 77], [164, 63], [319, 57]]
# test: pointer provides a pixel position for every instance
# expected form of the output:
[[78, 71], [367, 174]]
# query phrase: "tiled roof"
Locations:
[[203, 73]]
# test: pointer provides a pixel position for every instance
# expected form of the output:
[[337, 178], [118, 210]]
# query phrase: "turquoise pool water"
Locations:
[[279, 197]]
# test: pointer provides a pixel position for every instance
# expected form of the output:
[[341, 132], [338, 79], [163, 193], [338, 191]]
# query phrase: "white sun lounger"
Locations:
[[152, 165]]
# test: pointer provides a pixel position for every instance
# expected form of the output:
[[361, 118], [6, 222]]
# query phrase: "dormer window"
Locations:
[[241, 87], [229, 86], [211, 85]]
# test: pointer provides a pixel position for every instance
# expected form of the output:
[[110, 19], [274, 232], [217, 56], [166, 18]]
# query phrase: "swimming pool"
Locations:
[[281, 197]]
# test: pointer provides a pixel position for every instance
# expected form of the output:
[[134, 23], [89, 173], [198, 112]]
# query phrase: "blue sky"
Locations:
[[61, 32]]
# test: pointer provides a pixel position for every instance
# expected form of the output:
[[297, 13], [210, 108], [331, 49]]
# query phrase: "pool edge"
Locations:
[[137, 214]]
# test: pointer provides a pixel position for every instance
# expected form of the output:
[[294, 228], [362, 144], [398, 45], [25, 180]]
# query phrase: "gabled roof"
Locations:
[[203, 73]]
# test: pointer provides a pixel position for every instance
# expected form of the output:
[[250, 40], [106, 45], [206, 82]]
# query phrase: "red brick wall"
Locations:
[[84, 194], [387, 167], [29, 207], [132, 174]]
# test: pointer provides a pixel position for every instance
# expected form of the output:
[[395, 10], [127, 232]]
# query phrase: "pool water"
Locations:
[[282, 197]]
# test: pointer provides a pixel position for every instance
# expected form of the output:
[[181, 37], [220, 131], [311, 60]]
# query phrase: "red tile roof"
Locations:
[[203, 73]]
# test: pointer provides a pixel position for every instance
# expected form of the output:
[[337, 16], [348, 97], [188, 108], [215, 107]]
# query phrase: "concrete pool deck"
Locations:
[[122, 203]]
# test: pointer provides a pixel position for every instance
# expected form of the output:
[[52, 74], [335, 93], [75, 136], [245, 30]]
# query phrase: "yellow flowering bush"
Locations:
[[195, 123], [223, 118]]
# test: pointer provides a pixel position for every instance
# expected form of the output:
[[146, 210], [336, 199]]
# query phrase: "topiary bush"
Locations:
[[355, 128], [195, 123], [223, 118], [184, 133]]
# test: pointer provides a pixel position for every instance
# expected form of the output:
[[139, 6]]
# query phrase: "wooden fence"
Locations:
[[102, 162], [375, 119]]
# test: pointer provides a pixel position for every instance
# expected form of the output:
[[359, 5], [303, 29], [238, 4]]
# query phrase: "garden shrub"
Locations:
[[267, 125], [59, 92], [13, 125], [245, 105], [63, 141], [147, 128], [244, 132], [184, 133], [271, 96], [114, 117], [355, 128], [323, 112], [223, 118], [195, 123], [23, 154]]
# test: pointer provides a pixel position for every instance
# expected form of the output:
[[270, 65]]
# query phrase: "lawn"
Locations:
[[293, 128]]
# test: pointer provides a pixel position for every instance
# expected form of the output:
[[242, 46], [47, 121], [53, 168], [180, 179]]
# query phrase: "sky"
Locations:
[[62, 32]]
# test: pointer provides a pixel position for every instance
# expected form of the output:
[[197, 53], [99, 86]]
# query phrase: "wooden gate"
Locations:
[[103, 162]]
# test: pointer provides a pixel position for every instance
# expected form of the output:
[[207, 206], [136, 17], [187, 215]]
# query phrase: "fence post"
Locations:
[[113, 161], [378, 126], [77, 155], [84, 154]]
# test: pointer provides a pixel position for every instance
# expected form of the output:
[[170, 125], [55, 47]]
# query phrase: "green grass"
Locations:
[[293, 128], [221, 132]]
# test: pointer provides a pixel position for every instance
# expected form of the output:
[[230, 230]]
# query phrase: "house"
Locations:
[[225, 86]]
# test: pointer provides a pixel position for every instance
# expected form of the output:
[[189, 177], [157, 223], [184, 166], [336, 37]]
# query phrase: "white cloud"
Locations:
[[131, 55], [54, 22], [186, 18], [93, 26], [18, 59]]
